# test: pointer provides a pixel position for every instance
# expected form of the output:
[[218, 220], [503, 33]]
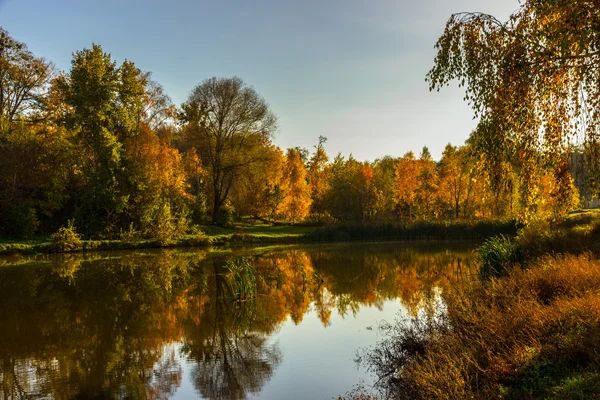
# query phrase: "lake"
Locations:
[[268, 323]]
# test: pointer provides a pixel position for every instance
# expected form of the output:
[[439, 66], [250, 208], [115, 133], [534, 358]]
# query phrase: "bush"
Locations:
[[163, 224], [198, 238], [225, 216], [130, 237], [65, 240]]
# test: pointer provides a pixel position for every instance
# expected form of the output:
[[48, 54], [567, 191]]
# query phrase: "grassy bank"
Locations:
[[529, 330], [239, 235], [247, 234]]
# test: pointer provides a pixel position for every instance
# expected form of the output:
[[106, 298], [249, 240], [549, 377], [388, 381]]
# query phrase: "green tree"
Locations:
[[91, 90], [23, 79], [229, 123]]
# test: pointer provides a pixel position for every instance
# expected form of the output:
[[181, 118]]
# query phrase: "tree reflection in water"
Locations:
[[121, 325]]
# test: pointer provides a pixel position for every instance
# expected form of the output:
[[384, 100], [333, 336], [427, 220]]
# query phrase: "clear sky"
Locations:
[[350, 70]]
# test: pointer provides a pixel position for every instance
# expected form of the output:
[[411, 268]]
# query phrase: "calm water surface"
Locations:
[[273, 324]]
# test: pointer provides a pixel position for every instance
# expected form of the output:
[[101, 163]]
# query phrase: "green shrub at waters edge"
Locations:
[[498, 254], [65, 240], [130, 237]]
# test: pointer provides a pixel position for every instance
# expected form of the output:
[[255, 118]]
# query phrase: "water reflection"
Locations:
[[123, 325]]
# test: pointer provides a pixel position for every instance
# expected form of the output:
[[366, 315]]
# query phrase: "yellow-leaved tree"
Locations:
[[297, 201]]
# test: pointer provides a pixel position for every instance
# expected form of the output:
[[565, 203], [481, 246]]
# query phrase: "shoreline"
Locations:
[[256, 236]]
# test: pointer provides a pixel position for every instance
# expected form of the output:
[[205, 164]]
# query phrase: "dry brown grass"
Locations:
[[533, 334]]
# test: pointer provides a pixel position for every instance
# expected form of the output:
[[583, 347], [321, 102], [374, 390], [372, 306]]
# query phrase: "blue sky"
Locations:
[[350, 70]]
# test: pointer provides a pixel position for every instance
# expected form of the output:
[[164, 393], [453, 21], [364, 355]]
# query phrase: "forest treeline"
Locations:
[[102, 145]]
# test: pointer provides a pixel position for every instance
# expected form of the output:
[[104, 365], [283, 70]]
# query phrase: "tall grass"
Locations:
[[424, 230], [241, 279], [534, 334], [498, 255]]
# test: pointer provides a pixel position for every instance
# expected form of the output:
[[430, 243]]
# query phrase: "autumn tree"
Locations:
[[384, 177], [532, 81], [318, 178], [35, 156], [229, 123], [426, 192], [455, 180], [370, 197], [158, 200], [406, 184], [132, 175], [246, 196], [352, 194], [36, 162], [23, 79], [296, 203]]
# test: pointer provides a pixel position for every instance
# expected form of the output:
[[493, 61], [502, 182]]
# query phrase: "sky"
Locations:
[[350, 70]]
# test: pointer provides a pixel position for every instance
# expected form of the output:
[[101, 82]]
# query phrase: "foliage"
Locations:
[[103, 143], [498, 255], [318, 178], [130, 237], [352, 194], [229, 123], [23, 78], [161, 223], [66, 239], [521, 336], [296, 202], [532, 81]]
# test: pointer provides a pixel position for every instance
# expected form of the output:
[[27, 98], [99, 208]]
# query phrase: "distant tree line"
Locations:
[[104, 146]]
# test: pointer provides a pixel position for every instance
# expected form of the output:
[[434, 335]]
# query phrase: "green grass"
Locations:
[[242, 234]]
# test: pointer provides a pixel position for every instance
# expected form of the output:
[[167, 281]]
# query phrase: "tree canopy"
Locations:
[[533, 80], [229, 122]]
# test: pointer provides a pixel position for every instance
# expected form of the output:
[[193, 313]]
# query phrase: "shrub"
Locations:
[[130, 237], [66, 239], [198, 238], [163, 224], [225, 216]]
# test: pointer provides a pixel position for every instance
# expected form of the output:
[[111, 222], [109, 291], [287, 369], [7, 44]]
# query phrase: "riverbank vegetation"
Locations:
[[528, 326], [102, 147]]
